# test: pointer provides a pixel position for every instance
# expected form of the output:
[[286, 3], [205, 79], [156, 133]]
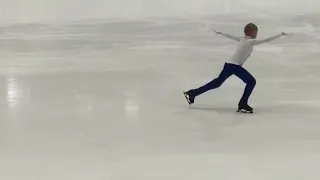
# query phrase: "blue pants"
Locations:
[[229, 70]]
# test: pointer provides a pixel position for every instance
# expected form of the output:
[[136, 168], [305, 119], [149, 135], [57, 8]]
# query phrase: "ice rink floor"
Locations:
[[103, 101]]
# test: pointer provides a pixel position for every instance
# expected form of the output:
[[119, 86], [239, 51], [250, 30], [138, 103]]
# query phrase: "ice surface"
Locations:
[[103, 101]]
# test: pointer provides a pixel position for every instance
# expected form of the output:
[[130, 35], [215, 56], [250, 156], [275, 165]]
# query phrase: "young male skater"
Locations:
[[234, 66]]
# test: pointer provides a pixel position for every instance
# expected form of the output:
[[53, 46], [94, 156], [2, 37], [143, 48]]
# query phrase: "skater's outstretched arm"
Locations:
[[232, 37], [257, 42]]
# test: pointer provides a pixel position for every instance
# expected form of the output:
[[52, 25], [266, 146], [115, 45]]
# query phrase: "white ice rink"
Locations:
[[102, 100]]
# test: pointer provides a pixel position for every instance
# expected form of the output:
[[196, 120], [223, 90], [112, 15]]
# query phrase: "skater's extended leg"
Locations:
[[250, 81], [225, 74]]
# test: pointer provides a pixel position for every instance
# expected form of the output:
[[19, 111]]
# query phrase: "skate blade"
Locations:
[[244, 111], [187, 97]]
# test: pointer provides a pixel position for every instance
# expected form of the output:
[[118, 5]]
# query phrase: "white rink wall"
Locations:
[[12, 11]]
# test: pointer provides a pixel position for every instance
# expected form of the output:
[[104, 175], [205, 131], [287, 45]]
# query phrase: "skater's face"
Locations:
[[254, 34]]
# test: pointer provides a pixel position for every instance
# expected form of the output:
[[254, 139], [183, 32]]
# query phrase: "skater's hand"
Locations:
[[287, 34], [217, 32]]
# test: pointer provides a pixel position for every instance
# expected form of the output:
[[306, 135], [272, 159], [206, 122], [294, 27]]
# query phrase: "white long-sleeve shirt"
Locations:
[[245, 47]]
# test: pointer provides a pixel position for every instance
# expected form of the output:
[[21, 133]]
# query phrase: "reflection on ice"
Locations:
[[131, 105], [13, 92]]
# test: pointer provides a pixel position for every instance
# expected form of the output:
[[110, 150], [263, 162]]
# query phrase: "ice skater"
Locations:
[[234, 66]]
